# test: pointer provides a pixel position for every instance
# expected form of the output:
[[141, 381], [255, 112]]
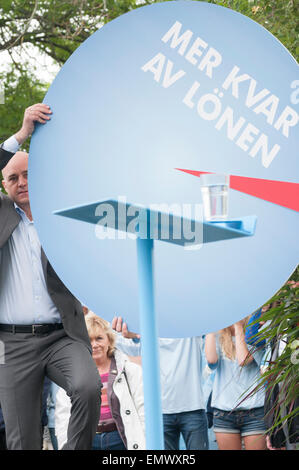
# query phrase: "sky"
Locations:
[[45, 67]]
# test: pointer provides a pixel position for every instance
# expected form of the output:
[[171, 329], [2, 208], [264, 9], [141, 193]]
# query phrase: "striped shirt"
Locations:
[[106, 415]]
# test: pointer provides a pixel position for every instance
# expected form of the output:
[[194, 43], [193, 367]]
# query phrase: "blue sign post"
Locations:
[[215, 231], [150, 351]]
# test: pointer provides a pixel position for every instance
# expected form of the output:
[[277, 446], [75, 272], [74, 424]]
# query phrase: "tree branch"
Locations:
[[18, 38]]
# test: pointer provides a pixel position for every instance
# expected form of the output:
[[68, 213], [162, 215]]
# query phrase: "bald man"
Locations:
[[42, 327]]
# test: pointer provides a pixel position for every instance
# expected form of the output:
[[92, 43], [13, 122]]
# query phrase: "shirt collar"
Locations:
[[23, 215]]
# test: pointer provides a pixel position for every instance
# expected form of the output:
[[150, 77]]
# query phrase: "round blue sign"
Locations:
[[169, 87]]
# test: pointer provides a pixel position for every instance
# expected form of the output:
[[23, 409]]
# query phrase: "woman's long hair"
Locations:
[[226, 342]]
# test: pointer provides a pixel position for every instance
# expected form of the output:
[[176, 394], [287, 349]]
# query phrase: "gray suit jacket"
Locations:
[[68, 306]]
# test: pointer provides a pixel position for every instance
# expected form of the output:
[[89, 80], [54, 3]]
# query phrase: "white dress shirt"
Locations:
[[24, 298]]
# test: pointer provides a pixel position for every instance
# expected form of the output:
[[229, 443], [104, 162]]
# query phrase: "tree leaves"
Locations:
[[282, 325]]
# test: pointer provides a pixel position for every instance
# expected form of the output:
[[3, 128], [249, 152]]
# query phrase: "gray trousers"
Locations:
[[25, 360]]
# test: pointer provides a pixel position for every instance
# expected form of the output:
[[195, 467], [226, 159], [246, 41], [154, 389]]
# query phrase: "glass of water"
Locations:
[[214, 190]]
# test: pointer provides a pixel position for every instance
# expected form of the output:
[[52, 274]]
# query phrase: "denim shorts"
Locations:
[[244, 422]]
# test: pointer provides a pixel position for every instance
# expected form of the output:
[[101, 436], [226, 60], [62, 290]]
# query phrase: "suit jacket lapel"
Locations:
[[9, 219], [44, 260]]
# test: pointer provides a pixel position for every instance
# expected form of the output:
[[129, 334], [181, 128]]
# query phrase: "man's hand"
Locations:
[[37, 113], [118, 325]]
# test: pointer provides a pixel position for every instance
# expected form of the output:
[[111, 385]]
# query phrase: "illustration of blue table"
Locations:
[[151, 225]]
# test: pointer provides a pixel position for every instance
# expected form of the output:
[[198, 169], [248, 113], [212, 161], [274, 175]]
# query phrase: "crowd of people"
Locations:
[[67, 370]]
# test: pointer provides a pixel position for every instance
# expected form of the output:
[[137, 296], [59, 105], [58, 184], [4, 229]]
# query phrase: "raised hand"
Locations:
[[121, 327], [38, 112]]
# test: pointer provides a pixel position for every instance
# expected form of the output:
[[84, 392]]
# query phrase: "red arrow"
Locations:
[[278, 192]]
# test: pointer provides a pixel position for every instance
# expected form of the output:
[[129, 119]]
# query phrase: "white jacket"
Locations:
[[128, 387]]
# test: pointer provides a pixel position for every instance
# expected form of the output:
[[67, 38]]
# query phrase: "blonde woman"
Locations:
[[237, 370], [121, 424]]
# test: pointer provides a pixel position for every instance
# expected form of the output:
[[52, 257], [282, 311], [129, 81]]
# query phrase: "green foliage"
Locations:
[[284, 314], [282, 324], [280, 17], [21, 90]]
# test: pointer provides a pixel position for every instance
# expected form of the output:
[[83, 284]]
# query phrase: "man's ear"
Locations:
[[3, 184]]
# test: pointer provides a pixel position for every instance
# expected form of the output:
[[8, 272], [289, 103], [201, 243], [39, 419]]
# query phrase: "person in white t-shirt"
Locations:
[[184, 401]]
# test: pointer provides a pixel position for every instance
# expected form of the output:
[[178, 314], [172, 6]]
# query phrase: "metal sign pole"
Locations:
[[149, 347]]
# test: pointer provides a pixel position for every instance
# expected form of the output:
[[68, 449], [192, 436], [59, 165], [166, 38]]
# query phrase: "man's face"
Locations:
[[15, 179]]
